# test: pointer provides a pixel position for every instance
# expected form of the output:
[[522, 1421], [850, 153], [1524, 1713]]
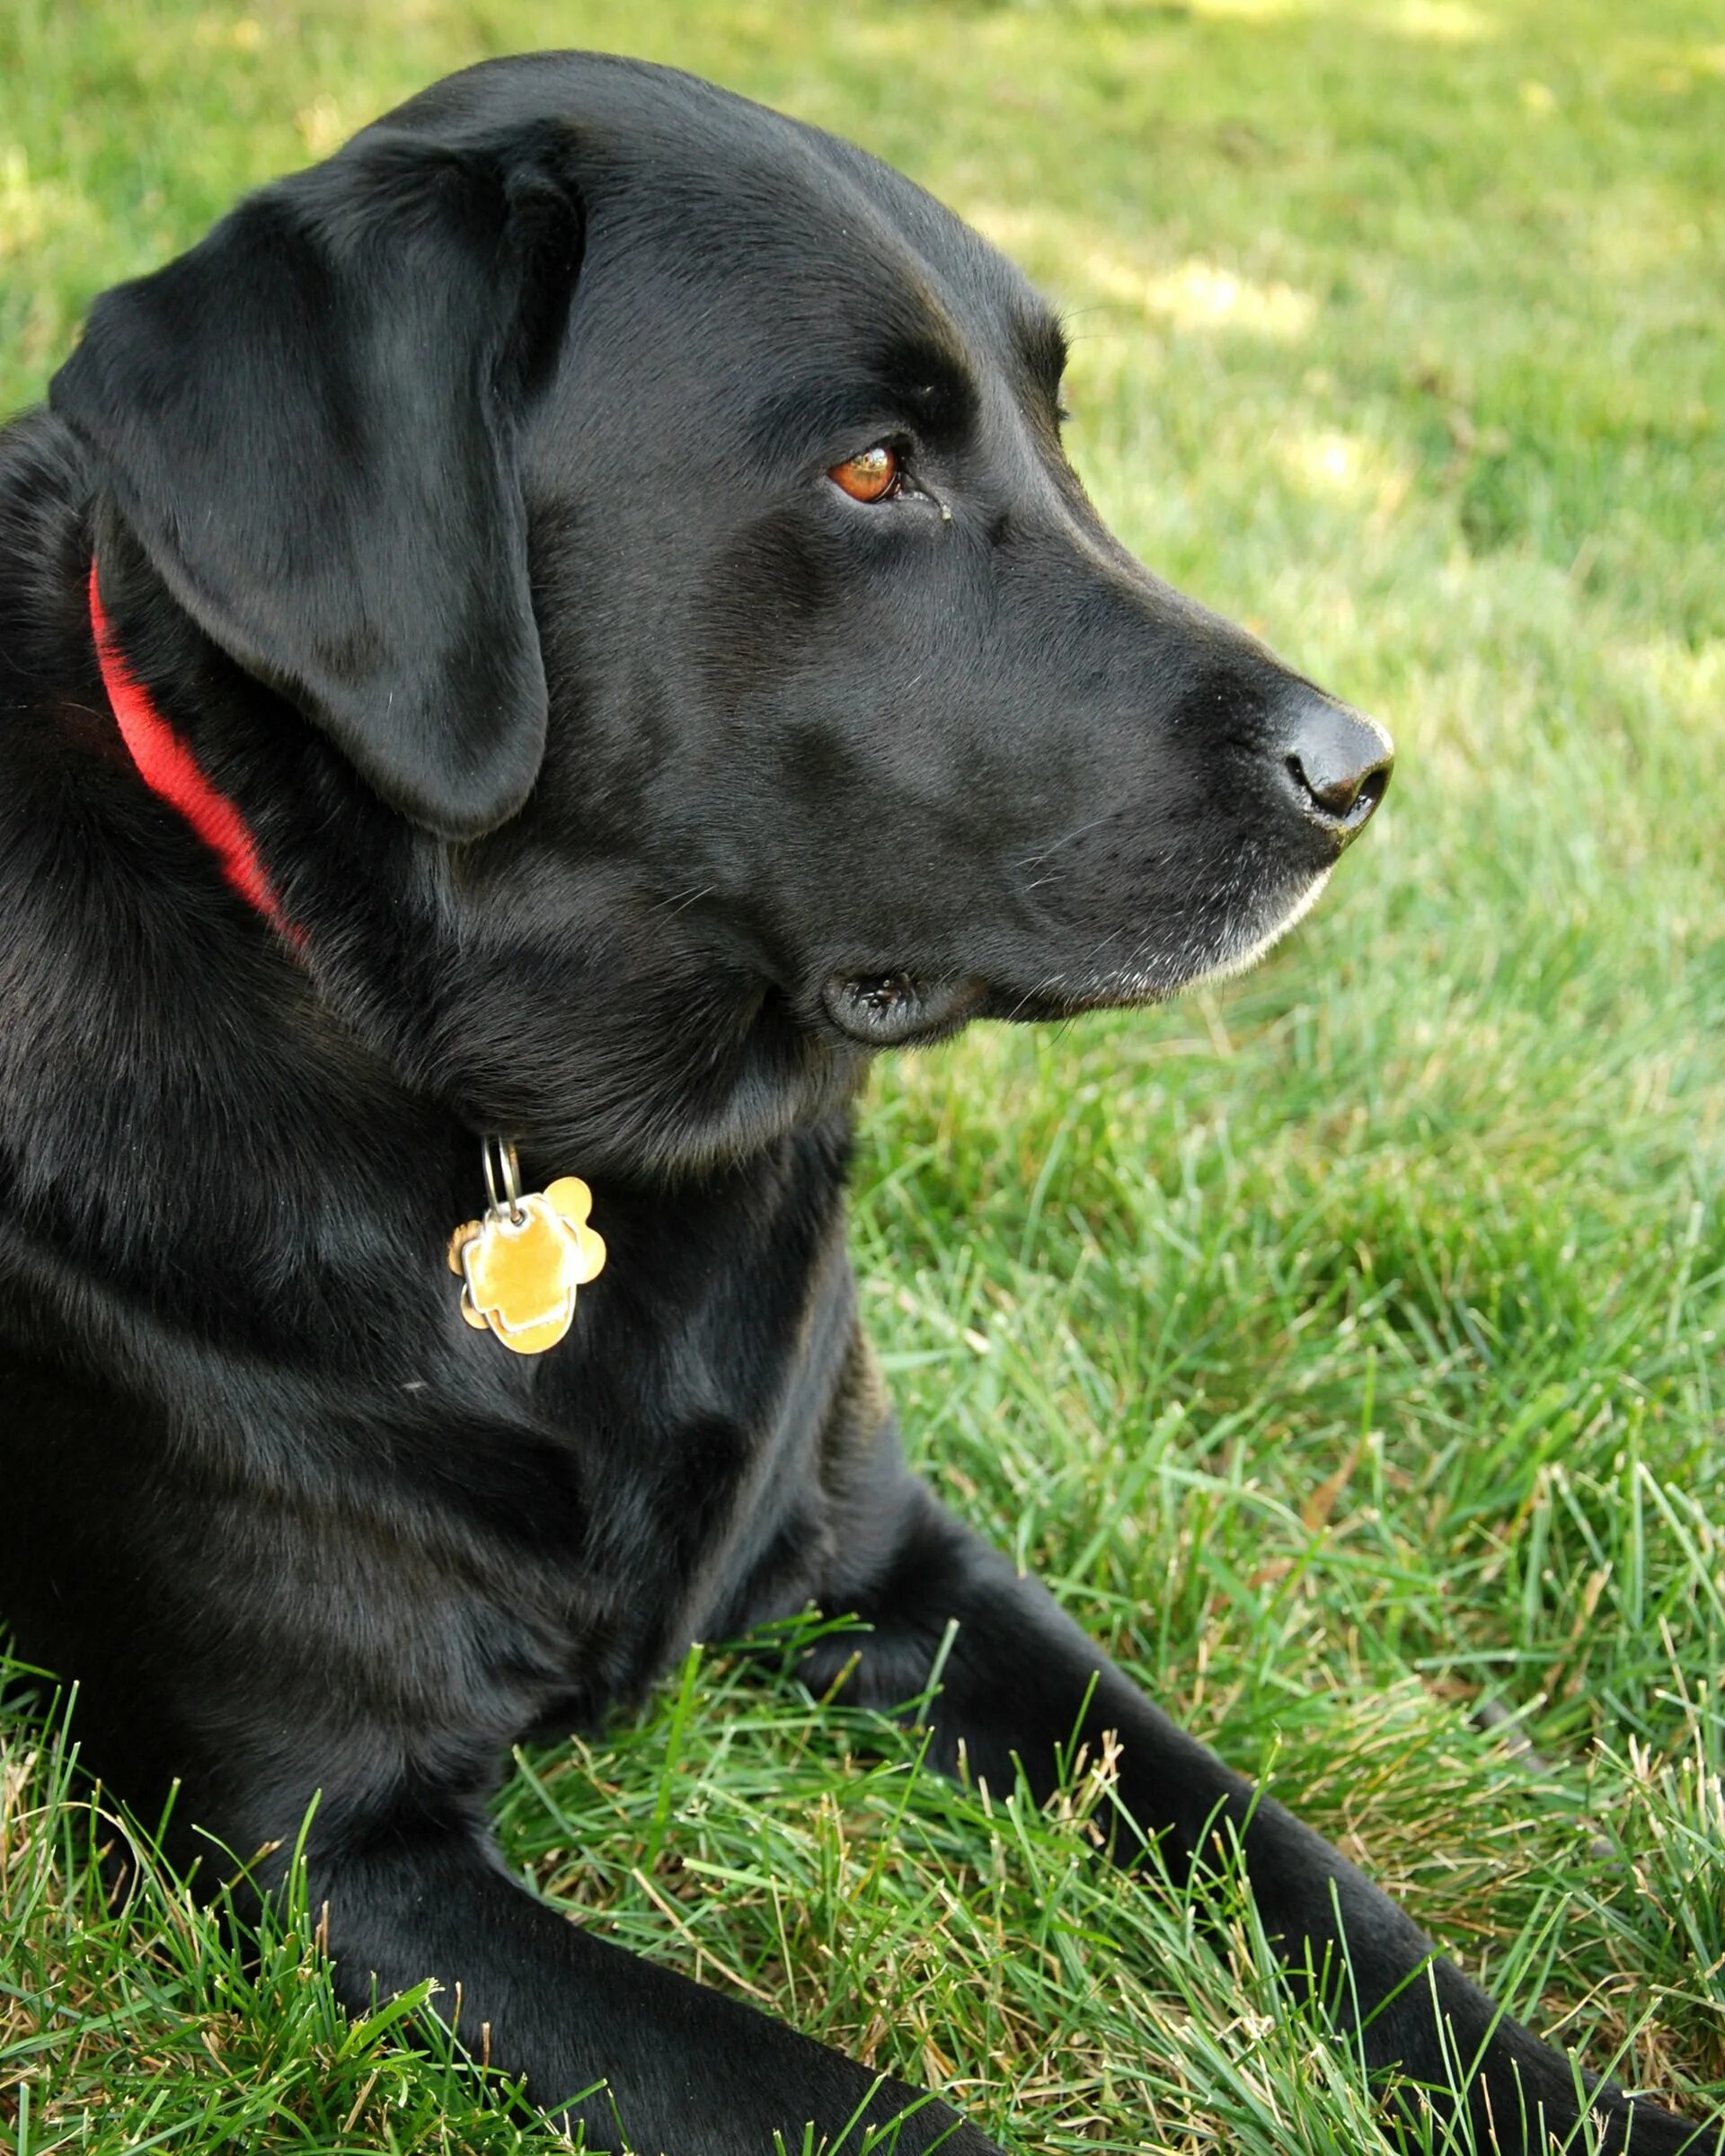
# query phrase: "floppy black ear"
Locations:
[[309, 421]]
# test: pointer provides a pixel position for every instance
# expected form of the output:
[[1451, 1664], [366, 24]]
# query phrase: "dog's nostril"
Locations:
[[1372, 789], [1336, 796], [1339, 763]]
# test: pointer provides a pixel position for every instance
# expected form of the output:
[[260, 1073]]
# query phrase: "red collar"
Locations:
[[170, 770]]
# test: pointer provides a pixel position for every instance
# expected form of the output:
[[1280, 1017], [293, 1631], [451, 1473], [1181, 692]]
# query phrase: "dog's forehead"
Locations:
[[721, 190]]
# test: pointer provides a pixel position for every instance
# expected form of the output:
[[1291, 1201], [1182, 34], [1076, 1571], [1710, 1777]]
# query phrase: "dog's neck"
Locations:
[[170, 770], [510, 985]]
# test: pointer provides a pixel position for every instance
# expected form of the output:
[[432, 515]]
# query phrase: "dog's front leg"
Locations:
[[684, 2069], [1020, 1679]]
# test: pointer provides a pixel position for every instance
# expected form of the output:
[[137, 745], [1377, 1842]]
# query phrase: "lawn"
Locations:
[[1345, 1344]]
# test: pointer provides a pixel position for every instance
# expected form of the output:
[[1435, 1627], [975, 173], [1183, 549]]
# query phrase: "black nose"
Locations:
[[1338, 763]]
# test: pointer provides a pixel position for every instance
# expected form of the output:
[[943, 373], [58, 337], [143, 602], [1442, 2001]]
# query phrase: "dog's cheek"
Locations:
[[770, 593]]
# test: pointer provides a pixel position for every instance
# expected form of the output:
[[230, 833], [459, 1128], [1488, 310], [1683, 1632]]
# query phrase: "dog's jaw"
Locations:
[[1136, 989], [1255, 947], [905, 1009]]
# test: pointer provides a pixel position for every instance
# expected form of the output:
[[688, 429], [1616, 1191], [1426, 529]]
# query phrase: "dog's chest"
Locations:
[[664, 1475], [704, 1501]]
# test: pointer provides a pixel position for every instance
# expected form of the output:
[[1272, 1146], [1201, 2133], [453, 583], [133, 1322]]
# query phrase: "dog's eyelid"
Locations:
[[886, 435]]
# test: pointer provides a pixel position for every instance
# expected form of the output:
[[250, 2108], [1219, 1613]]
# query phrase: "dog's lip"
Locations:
[[888, 1007]]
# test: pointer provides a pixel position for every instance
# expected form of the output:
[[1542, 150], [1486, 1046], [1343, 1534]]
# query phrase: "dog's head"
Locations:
[[651, 513]]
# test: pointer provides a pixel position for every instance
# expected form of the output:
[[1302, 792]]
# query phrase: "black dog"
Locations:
[[590, 625]]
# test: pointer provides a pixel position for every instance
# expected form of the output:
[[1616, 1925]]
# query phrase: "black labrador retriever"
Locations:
[[551, 638]]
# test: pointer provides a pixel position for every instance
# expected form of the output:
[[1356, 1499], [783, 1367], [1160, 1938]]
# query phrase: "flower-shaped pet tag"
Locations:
[[521, 1265]]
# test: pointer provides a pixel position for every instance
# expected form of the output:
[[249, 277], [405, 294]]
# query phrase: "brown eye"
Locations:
[[869, 476]]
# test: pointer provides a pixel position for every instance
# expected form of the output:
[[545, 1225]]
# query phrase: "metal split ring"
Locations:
[[500, 1163]]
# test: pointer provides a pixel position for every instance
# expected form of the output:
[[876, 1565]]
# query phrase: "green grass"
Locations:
[[1345, 1345]]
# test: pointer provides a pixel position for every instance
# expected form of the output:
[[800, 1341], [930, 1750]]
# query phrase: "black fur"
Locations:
[[463, 503]]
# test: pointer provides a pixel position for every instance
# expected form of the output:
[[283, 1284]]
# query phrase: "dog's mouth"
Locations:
[[897, 1009], [903, 1009]]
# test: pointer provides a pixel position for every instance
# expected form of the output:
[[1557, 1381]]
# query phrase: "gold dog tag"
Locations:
[[521, 1265]]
